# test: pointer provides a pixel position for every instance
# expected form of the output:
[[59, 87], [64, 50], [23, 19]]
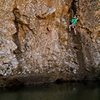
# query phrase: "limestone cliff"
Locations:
[[36, 46]]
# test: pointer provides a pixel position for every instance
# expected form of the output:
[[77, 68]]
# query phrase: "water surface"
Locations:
[[66, 91]]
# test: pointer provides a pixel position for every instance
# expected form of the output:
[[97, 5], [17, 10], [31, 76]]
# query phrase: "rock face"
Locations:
[[35, 41]]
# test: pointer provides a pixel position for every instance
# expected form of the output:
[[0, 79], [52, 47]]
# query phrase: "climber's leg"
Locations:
[[75, 31], [73, 26], [70, 26]]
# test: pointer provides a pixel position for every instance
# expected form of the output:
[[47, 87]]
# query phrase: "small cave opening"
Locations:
[[59, 81]]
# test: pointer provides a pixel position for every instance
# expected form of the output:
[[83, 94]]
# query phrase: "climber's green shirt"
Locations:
[[74, 21]]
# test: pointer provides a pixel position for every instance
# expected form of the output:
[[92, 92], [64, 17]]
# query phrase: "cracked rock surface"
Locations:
[[36, 46]]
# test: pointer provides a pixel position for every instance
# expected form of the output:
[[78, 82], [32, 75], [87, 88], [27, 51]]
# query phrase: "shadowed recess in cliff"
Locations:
[[16, 40], [74, 7], [76, 39], [15, 36], [83, 53]]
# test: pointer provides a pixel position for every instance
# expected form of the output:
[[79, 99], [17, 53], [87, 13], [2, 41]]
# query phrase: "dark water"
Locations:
[[66, 91]]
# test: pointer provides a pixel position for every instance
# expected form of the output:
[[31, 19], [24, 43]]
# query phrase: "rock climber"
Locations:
[[73, 23]]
